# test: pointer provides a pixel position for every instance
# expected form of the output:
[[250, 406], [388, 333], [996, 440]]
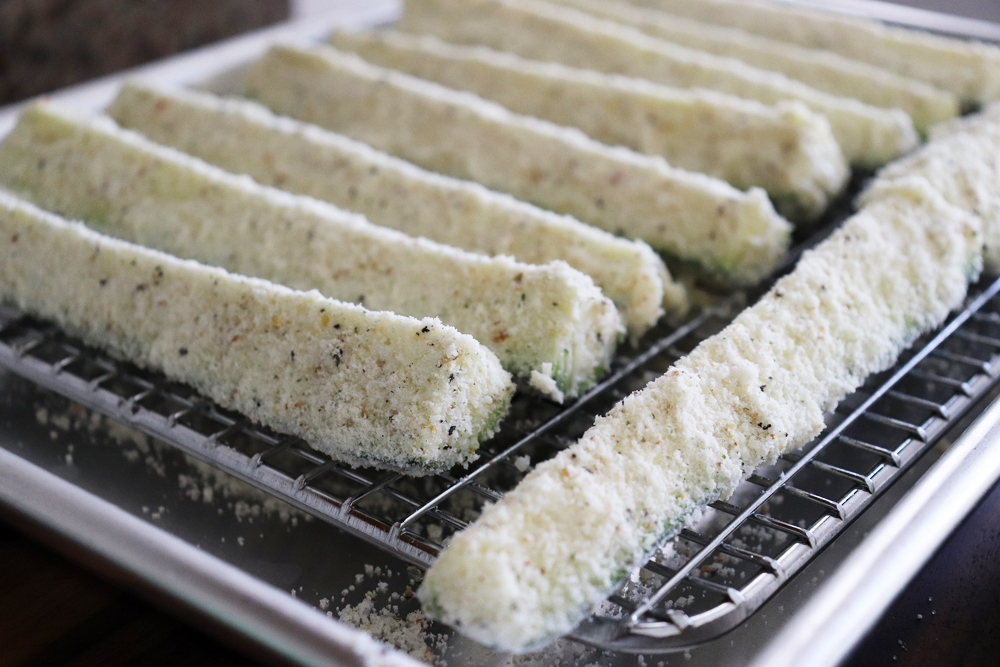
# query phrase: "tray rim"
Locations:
[[168, 564], [304, 635], [851, 601]]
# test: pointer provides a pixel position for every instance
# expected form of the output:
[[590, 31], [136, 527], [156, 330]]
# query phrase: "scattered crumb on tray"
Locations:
[[409, 634], [198, 482], [385, 615]]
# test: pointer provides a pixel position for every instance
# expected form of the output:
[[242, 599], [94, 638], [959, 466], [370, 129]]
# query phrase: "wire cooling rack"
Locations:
[[700, 584]]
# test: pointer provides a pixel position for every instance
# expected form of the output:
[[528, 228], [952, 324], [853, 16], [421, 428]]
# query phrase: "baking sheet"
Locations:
[[266, 539]]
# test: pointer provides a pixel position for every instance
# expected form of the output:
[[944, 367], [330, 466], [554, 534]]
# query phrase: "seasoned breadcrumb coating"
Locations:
[[369, 388], [129, 187], [969, 69], [823, 70], [962, 162], [534, 564], [869, 136], [786, 149], [691, 216], [243, 137]]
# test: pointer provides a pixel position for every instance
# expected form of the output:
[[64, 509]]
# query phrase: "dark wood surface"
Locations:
[[49, 44], [53, 612]]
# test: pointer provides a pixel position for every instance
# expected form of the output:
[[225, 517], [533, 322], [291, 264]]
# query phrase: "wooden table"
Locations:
[[53, 612]]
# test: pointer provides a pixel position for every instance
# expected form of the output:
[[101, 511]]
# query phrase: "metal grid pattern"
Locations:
[[701, 583]]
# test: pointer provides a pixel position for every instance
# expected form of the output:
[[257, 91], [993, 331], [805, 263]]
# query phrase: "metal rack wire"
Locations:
[[701, 583]]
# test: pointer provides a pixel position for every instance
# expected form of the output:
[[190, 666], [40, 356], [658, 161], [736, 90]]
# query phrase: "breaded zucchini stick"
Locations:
[[369, 388], [823, 70], [243, 137], [976, 122], [963, 164], [868, 136], [787, 150], [737, 235], [546, 320], [533, 565], [969, 69]]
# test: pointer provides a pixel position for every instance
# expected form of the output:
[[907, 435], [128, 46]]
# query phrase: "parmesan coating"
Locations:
[[971, 123], [534, 564], [129, 187], [369, 388], [967, 68], [963, 164], [823, 70], [737, 235], [787, 150], [243, 137], [868, 136]]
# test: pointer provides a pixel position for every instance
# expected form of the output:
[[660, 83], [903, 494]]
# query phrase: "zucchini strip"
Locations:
[[787, 150], [868, 136], [243, 137], [823, 70], [547, 320], [970, 70], [534, 564], [692, 216], [962, 162], [368, 388], [989, 115]]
